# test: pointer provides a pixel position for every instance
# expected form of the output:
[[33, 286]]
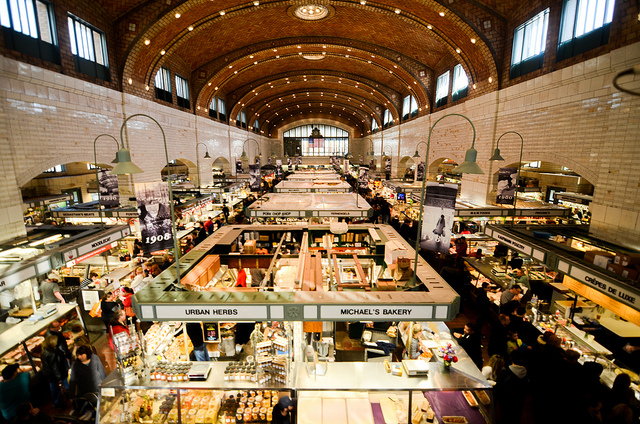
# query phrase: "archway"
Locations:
[[182, 170], [405, 168], [220, 165], [441, 169]]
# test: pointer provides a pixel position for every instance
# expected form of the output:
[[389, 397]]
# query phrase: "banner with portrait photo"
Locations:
[[360, 160], [239, 169], [507, 183], [154, 213], [420, 175], [257, 161], [438, 214], [387, 165], [363, 178], [108, 186], [254, 177], [279, 172], [298, 162]]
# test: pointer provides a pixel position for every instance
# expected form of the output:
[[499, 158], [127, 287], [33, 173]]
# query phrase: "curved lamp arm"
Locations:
[[176, 246], [244, 154], [95, 165], [469, 163], [416, 154]]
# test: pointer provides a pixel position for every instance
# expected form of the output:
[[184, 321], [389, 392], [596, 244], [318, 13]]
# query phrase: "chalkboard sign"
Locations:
[[211, 332]]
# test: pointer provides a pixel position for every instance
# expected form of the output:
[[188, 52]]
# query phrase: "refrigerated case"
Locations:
[[22, 342]]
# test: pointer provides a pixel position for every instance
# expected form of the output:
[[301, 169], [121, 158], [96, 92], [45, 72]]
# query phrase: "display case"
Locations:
[[22, 343]]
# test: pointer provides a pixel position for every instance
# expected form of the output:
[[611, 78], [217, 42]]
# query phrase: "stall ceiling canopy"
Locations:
[[345, 63]]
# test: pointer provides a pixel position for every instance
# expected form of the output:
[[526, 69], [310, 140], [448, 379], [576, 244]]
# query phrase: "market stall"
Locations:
[[315, 186], [310, 205]]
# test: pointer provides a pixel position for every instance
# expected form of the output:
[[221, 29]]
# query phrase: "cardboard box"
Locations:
[[603, 260], [591, 254], [628, 259], [393, 251], [625, 272], [249, 247]]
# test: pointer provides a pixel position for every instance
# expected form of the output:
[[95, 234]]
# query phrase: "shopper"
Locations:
[[51, 290], [200, 351], [55, 369], [511, 390], [483, 306], [281, 413], [414, 347], [242, 278], [513, 294], [55, 329], [118, 324], [208, 226], [87, 372], [137, 248], [499, 335], [469, 340], [492, 370], [14, 390], [108, 304], [225, 211]]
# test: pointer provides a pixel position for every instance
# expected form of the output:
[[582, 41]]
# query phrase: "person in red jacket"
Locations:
[[242, 278], [118, 324]]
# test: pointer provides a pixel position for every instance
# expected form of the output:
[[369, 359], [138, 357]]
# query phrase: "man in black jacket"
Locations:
[[469, 339]]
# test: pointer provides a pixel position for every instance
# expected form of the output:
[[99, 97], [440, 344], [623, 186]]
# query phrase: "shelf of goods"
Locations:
[[22, 343], [350, 392]]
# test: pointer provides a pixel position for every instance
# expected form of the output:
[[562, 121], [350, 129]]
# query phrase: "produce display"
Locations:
[[158, 337], [176, 349]]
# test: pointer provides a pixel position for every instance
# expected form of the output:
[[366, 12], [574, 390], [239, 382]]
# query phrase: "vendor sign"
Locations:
[[238, 166], [420, 173], [363, 178], [254, 177], [437, 218], [507, 183], [155, 216], [108, 186], [279, 172]]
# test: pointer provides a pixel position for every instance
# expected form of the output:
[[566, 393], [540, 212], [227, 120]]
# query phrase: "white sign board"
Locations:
[[375, 312], [211, 313], [615, 291], [514, 244]]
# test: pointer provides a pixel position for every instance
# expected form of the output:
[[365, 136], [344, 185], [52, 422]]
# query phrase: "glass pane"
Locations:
[[31, 18], [97, 48], [18, 10], [442, 89], [221, 106], [581, 18], [609, 14], [598, 20], [568, 20], [72, 37], [158, 81], [5, 21], [44, 24]]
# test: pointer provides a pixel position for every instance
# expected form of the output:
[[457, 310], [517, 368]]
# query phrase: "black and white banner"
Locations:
[[239, 166], [372, 164], [257, 161], [363, 178], [279, 172], [420, 175], [154, 212], [387, 165], [109, 192], [361, 161], [254, 177], [298, 162], [437, 218], [507, 182]]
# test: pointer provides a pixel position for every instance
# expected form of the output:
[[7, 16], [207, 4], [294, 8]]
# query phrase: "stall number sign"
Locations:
[[208, 312], [513, 243], [89, 255], [604, 286], [376, 312], [277, 213]]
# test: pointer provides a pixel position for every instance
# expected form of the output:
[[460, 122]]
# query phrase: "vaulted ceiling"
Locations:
[[283, 61]]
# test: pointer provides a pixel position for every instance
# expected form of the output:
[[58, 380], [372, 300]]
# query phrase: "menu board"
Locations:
[[211, 332]]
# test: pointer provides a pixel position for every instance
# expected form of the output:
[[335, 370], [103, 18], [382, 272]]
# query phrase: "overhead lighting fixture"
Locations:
[[178, 15], [474, 86], [222, 13], [490, 80], [130, 81], [256, 3], [429, 27], [398, 11], [311, 12], [147, 42], [146, 88], [363, 2], [441, 13], [473, 40], [162, 52], [458, 51], [190, 28]]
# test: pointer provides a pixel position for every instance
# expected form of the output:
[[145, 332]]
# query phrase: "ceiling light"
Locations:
[[251, 57], [130, 81], [255, 63], [473, 40], [429, 27], [146, 88], [398, 11], [215, 88], [177, 15], [256, 3], [441, 13], [190, 28], [230, 66], [147, 42], [363, 2], [162, 52], [222, 12], [209, 84], [458, 51], [299, 47], [490, 80], [474, 86], [275, 50]]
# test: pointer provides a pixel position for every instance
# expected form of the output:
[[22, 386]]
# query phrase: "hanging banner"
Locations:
[[109, 192], [279, 172], [420, 175], [387, 165], [154, 213], [257, 161], [437, 219], [254, 177], [298, 162], [269, 160], [363, 178], [345, 166], [372, 164], [361, 161], [239, 166], [289, 163], [507, 182]]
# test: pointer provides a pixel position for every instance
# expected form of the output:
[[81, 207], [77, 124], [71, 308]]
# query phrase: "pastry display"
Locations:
[[471, 400]]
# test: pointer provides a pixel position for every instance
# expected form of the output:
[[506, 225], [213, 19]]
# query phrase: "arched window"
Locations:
[[332, 141]]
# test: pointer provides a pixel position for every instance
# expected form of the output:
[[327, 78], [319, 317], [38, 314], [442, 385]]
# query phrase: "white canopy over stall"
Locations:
[[310, 205]]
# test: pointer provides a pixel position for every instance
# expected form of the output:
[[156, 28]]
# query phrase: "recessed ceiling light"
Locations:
[[146, 88], [222, 12], [147, 42], [363, 2], [473, 40], [256, 3], [230, 66], [441, 13], [490, 80], [216, 88], [162, 52], [255, 63], [130, 81], [429, 27], [251, 57], [474, 86], [458, 51], [209, 84], [177, 15], [398, 11]]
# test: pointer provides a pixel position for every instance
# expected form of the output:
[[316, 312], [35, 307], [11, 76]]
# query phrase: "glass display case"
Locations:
[[22, 343]]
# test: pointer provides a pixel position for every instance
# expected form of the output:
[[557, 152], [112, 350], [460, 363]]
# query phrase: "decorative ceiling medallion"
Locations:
[[313, 56], [312, 12]]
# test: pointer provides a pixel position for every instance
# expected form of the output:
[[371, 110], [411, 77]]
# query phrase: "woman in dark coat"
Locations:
[[281, 413], [55, 368]]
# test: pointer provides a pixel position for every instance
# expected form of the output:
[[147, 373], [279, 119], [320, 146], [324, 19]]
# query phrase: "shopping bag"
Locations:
[[128, 310], [96, 310]]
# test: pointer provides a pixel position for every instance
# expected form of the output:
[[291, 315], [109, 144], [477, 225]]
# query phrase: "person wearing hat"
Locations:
[[51, 290], [281, 413]]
